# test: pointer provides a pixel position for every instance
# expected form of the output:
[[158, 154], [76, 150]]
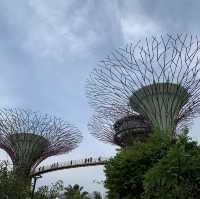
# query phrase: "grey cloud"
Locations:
[[48, 48], [173, 15], [48, 40]]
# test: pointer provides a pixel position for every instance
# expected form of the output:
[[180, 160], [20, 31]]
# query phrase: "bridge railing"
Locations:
[[71, 163]]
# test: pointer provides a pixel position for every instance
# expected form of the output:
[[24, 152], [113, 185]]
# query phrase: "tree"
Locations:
[[75, 192], [97, 195], [177, 175], [162, 168], [10, 187], [52, 192], [125, 172]]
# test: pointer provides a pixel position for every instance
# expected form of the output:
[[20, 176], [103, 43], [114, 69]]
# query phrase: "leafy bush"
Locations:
[[157, 169], [125, 172], [177, 175]]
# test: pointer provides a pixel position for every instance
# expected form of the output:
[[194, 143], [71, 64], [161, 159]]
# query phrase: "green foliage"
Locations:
[[125, 172], [52, 192], [70, 192], [10, 187], [97, 195], [177, 175], [159, 169], [75, 192]]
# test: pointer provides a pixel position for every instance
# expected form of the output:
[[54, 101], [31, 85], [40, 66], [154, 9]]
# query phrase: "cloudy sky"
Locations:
[[48, 48]]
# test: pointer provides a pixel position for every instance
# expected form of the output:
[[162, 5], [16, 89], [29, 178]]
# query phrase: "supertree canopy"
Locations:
[[122, 132], [157, 78], [29, 137]]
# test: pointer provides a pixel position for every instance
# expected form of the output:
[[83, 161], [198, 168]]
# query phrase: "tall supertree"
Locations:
[[157, 78], [30, 137]]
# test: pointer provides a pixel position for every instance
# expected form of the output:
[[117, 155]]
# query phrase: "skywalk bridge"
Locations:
[[69, 164]]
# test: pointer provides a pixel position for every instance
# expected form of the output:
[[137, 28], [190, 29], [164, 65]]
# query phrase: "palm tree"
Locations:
[[75, 192], [97, 195]]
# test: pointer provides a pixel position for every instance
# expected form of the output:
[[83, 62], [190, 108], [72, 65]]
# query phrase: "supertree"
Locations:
[[30, 137], [157, 78], [122, 132]]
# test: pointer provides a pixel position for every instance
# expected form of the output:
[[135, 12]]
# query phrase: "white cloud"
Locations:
[[136, 28], [53, 33]]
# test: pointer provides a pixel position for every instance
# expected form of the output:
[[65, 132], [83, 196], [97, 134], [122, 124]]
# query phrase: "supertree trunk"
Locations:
[[160, 103], [28, 148]]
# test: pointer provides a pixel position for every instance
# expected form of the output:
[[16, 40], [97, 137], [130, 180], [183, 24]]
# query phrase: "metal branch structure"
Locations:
[[157, 78], [122, 132], [30, 137]]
